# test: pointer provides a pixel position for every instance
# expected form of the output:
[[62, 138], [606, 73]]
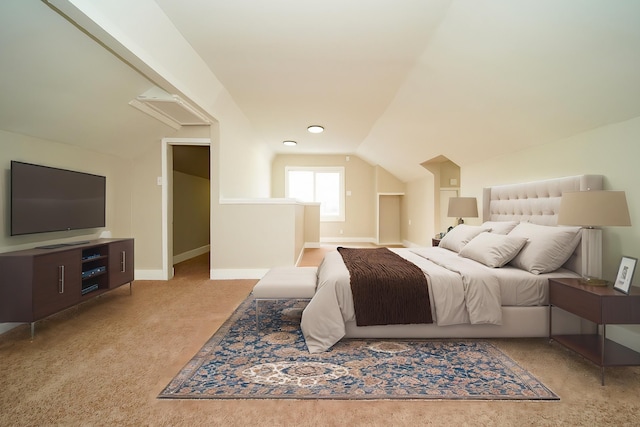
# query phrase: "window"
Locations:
[[322, 184]]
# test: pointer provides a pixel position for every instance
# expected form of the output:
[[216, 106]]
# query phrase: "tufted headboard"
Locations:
[[539, 202]]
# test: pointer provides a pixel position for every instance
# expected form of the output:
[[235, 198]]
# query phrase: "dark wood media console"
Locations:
[[37, 283]]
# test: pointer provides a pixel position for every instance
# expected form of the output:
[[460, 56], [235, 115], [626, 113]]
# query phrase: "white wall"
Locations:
[[418, 208], [191, 213], [389, 219], [612, 151], [141, 33], [49, 153], [256, 235]]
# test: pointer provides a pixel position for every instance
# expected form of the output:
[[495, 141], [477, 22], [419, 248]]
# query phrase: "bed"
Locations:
[[484, 281]]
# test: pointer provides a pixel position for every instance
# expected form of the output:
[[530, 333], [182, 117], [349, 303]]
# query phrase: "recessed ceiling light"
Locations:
[[315, 129], [290, 143]]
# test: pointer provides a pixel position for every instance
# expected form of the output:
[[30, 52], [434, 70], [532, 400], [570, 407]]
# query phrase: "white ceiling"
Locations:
[[396, 82]]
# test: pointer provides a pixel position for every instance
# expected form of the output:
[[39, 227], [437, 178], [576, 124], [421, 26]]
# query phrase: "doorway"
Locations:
[[185, 200], [191, 202]]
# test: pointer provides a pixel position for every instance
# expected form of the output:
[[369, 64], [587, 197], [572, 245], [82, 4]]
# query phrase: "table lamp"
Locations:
[[460, 207], [591, 210]]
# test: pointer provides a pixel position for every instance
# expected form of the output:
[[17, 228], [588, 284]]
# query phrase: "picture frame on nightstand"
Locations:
[[625, 274]]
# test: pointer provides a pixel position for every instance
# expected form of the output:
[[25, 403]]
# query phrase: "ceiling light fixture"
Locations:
[[315, 129], [290, 143]]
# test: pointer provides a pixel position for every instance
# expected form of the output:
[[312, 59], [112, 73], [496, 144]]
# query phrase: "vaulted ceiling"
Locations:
[[396, 82]]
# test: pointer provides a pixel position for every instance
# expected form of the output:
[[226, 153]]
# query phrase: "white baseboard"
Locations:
[[148, 275], [232, 273], [408, 244], [343, 239], [214, 274], [312, 245], [191, 254]]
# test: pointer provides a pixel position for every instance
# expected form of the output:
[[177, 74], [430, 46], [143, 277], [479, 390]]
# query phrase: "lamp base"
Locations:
[[593, 281]]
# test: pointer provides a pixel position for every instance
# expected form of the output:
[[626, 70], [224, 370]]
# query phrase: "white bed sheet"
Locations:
[[323, 320], [517, 287]]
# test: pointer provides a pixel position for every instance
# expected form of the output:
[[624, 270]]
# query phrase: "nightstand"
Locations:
[[435, 242], [603, 306]]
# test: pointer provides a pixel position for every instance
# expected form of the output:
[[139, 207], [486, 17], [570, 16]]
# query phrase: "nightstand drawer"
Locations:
[[576, 301], [621, 310]]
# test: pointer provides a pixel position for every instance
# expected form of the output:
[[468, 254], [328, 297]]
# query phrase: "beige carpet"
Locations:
[[105, 363]]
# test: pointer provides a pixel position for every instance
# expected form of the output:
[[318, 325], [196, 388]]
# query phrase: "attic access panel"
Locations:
[[176, 109]]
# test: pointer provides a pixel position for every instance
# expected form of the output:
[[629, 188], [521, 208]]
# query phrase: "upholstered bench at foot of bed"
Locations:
[[281, 283]]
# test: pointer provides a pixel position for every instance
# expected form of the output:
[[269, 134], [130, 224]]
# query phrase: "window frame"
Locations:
[[322, 169]]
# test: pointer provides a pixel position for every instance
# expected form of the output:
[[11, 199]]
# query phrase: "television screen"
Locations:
[[45, 199]]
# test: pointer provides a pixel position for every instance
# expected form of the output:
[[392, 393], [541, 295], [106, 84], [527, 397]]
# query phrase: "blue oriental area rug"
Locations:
[[240, 363]]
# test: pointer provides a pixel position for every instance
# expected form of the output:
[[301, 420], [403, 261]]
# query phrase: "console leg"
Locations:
[[33, 330], [602, 344], [257, 317], [550, 321]]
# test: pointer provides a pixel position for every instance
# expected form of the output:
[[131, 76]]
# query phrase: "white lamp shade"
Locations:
[[594, 209], [463, 207]]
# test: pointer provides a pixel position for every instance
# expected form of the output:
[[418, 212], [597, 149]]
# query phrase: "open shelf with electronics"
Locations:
[[94, 269], [37, 283]]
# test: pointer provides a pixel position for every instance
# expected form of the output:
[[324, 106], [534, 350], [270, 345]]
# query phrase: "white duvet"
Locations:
[[460, 291]]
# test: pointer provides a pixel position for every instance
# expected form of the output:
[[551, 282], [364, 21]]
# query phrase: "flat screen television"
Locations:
[[45, 199]]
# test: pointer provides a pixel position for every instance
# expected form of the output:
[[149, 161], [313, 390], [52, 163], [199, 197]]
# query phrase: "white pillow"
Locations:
[[460, 236], [493, 250], [548, 247], [500, 227]]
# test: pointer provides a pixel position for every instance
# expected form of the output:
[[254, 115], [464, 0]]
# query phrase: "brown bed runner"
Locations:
[[387, 289]]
